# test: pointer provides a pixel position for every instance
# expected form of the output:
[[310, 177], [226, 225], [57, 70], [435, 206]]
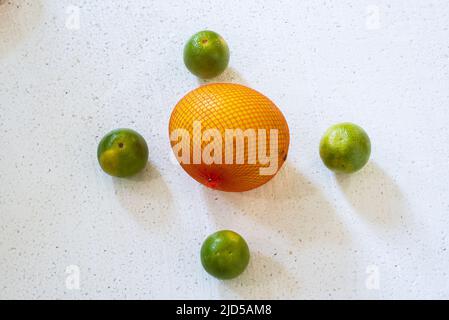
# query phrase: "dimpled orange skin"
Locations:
[[230, 106]]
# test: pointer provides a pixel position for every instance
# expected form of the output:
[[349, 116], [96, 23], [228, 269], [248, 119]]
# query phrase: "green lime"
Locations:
[[345, 148], [225, 254], [206, 54], [122, 153]]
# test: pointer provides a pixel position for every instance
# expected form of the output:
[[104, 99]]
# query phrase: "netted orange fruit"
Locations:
[[229, 137]]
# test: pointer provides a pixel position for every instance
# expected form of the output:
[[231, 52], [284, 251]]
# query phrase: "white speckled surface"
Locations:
[[381, 64]]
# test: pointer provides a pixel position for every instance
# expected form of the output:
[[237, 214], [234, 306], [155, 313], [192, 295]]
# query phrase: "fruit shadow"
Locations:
[[230, 75], [293, 208], [17, 20], [374, 195], [289, 204], [264, 278], [147, 197]]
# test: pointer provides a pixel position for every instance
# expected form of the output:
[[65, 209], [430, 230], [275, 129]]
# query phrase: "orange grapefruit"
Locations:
[[229, 137]]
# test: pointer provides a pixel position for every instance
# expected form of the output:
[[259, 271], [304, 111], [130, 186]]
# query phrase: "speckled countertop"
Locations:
[[72, 70]]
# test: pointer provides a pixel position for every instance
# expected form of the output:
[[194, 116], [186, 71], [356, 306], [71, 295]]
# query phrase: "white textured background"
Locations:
[[381, 64]]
